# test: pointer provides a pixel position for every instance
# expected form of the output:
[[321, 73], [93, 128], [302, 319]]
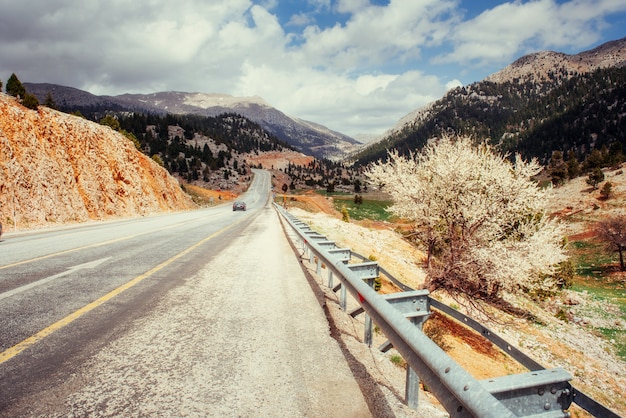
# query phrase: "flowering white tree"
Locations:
[[481, 219]]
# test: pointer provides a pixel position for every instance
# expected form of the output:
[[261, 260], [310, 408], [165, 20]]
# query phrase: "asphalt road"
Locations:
[[202, 313]]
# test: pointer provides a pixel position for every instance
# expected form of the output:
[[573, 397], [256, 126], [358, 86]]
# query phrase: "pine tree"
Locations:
[[557, 168], [30, 101], [596, 176], [573, 166], [15, 87], [50, 103]]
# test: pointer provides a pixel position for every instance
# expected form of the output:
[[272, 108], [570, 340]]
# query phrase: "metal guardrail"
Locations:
[[545, 393], [580, 398]]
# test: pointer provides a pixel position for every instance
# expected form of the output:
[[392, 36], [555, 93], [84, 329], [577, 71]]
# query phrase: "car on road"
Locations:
[[239, 205]]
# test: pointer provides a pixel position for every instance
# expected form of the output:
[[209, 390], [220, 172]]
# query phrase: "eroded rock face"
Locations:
[[58, 168]]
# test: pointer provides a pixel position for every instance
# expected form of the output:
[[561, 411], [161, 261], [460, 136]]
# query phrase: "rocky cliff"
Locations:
[[59, 168]]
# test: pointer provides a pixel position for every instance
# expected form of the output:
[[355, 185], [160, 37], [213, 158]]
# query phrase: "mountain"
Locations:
[[57, 168], [308, 137], [541, 103], [549, 65]]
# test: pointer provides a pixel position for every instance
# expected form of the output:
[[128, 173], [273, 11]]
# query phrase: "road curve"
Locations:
[[206, 313]]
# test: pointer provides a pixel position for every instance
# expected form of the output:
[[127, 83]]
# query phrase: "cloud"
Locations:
[[301, 19], [501, 34], [353, 65], [368, 103], [376, 35]]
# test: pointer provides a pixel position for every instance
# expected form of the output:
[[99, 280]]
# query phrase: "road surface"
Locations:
[[203, 313]]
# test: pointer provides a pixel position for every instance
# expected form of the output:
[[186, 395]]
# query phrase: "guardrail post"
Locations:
[[414, 305], [411, 388], [367, 271], [343, 298], [367, 336]]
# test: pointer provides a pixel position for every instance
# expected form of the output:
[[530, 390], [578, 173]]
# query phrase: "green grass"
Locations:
[[397, 360], [591, 260], [369, 209], [594, 267], [617, 337]]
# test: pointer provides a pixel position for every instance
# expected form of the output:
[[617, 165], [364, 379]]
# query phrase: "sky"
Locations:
[[355, 66]]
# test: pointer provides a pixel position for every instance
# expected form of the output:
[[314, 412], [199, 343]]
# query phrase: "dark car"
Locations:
[[239, 205]]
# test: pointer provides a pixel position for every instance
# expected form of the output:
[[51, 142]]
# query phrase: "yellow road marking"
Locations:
[[34, 339]]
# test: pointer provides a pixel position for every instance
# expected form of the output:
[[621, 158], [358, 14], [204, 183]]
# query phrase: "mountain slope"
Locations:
[[542, 102], [548, 65], [56, 167], [308, 137]]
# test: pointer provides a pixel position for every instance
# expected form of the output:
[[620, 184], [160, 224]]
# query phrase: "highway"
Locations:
[[199, 313]]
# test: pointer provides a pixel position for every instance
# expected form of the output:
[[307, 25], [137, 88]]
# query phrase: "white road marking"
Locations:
[[90, 265]]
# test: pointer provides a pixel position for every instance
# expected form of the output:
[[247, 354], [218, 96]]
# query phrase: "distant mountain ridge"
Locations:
[[542, 102], [545, 65], [308, 137]]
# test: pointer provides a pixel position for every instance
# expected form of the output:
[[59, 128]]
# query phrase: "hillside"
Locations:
[[541, 103], [545, 65], [582, 329], [308, 137], [58, 168]]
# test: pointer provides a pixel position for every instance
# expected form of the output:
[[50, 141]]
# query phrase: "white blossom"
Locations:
[[481, 217]]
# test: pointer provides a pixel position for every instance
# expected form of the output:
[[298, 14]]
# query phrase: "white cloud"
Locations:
[[500, 34], [301, 19], [375, 35], [351, 6], [359, 70]]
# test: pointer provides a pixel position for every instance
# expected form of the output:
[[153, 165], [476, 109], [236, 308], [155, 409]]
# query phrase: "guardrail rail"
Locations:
[[539, 393]]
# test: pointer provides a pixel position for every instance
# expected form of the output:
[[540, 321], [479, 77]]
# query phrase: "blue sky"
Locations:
[[355, 66]]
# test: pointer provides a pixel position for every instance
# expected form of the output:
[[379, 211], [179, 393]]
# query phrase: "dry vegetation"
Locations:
[[562, 331]]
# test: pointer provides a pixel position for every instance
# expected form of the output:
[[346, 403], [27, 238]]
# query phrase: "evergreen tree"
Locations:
[[606, 190], [15, 87], [596, 176], [50, 102], [30, 101], [557, 168], [111, 122], [573, 166], [616, 155]]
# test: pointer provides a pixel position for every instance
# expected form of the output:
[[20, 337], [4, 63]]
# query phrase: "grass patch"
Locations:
[[590, 259], [617, 337], [374, 210], [397, 360], [597, 275]]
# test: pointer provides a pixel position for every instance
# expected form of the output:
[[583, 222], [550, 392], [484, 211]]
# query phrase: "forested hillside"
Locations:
[[566, 112], [193, 146], [218, 152]]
